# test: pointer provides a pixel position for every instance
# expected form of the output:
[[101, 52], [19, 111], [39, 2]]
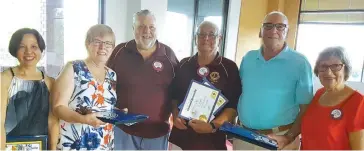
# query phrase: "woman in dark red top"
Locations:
[[223, 75], [335, 118]]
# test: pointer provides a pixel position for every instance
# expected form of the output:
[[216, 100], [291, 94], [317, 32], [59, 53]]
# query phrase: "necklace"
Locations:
[[97, 79], [97, 66]]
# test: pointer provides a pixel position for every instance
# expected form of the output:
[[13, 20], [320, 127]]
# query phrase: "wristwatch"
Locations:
[[213, 128]]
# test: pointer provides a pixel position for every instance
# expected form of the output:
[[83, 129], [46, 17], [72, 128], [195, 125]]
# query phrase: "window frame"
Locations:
[[225, 13], [102, 11], [300, 12]]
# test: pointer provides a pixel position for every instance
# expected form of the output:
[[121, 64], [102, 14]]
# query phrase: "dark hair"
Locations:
[[17, 37], [338, 52]]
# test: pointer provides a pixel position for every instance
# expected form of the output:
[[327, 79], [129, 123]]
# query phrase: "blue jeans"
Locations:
[[124, 141]]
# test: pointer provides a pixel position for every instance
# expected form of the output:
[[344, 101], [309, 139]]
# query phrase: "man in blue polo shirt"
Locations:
[[277, 87]]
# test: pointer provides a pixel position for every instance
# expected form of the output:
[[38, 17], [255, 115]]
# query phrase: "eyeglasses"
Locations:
[[279, 27], [333, 67], [143, 27], [210, 36], [106, 44]]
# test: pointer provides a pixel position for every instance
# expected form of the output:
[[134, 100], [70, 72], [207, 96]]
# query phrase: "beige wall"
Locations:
[[291, 9], [251, 15]]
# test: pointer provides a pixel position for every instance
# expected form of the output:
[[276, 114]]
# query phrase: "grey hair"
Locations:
[[99, 30], [276, 13], [209, 23], [144, 12], [338, 52]]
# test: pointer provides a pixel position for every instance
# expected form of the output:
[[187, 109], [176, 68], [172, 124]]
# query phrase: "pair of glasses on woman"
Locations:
[[333, 67], [106, 44]]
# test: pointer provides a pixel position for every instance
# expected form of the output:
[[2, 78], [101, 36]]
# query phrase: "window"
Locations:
[[313, 38], [75, 30], [179, 30], [323, 24], [59, 23], [21, 13], [214, 11], [184, 16]]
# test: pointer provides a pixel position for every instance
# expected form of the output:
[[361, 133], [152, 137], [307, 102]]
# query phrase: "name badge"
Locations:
[[336, 114], [158, 66], [203, 71]]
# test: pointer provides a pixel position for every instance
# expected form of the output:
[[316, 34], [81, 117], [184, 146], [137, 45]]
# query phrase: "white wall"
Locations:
[[116, 18], [132, 6], [232, 29], [119, 15], [159, 8]]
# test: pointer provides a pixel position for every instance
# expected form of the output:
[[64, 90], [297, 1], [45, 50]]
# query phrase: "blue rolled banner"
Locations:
[[249, 136], [120, 117]]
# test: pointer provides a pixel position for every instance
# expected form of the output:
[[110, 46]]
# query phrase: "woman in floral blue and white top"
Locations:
[[83, 88]]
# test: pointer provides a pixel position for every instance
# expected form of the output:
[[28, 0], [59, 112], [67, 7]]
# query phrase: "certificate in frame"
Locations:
[[221, 101], [38, 142], [199, 102]]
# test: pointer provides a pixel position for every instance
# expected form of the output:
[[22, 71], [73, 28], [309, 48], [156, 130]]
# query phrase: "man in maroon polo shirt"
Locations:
[[223, 74], [145, 69]]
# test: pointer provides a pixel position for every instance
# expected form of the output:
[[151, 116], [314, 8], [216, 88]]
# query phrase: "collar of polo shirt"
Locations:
[[217, 60], [278, 56], [160, 49]]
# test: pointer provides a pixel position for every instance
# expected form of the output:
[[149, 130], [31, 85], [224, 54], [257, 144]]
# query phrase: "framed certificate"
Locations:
[[199, 102], [205, 82], [221, 101], [38, 142], [249, 136]]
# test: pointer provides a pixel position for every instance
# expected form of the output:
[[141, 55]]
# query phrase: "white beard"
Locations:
[[148, 44]]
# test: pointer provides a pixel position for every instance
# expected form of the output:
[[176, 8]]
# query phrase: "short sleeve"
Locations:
[[234, 87], [172, 86], [172, 89], [242, 63], [174, 93], [304, 87], [241, 67], [171, 95], [357, 121], [175, 64], [111, 61]]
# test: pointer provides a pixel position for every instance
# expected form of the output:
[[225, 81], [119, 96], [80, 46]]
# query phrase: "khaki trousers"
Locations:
[[242, 145]]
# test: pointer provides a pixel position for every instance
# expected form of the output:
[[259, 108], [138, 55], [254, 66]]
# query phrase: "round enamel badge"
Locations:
[[336, 114], [203, 71], [157, 66]]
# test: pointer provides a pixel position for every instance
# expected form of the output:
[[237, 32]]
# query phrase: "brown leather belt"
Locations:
[[273, 130]]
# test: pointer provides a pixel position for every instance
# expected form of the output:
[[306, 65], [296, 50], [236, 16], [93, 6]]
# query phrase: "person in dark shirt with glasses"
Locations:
[[223, 74]]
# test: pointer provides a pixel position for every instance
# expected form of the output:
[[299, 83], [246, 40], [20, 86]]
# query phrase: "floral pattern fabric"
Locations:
[[89, 96]]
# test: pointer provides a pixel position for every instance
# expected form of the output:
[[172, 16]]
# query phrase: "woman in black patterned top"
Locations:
[[25, 107]]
